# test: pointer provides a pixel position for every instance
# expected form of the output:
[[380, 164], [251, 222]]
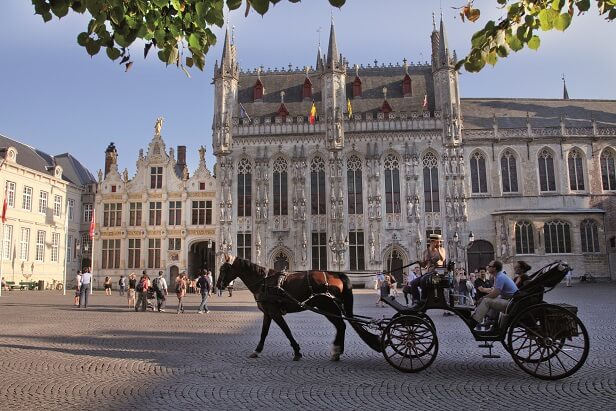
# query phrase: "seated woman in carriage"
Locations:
[[433, 258]]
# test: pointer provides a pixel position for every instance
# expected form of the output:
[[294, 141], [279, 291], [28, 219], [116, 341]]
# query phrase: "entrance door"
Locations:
[[281, 262], [394, 264], [479, 255], [202, 256], [174, 271]]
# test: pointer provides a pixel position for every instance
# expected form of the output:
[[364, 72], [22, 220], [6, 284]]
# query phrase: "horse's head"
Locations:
[[226, 273]]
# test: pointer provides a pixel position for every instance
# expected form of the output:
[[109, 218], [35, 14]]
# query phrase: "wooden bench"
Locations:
[[23, 285]]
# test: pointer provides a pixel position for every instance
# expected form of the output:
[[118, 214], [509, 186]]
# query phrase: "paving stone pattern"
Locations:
[[56, 357]]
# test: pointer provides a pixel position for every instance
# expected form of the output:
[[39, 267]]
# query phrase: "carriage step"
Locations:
[[489, 346], [491, 356]]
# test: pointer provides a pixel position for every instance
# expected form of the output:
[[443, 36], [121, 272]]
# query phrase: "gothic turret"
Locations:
[[111, 158], [226, 78], [333, 80]]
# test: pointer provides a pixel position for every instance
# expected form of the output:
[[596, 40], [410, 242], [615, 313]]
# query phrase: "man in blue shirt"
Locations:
[[498, 297]]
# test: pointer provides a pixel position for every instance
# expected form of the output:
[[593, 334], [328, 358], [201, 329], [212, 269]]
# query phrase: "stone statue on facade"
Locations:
[[125, 175], [158, 126], [185, 173], [100, 176], [202, 153]]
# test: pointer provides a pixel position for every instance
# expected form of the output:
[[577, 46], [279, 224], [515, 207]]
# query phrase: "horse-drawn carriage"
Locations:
[[546, 340]]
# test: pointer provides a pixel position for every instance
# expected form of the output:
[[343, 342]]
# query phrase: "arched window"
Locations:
[[392, 184], [524, 239], [589, 232], [257, 91], [244, 188], [479, 184], [430, 176], [319, 251], [307, 89], [281, 203], [357, 87], [356, 250], [317, 186], [608, 170], [547, 181], [557, 237], [281, 262], [509, 172], [407, 86], [354, 184], [576, 171]]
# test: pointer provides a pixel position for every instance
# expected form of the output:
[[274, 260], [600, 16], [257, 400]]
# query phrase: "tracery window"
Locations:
[[281, 195], [244, 188], [509, 172], [354, 185], [479, 184], [557, 237], [357, 250], [547, 180], [431, 190], [319, 251], [608, 170], [317, 186], [392, 184], [576, 171], [524, 238], [589, 233]]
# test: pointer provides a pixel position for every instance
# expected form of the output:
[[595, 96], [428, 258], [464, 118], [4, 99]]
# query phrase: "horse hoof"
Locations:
[[335, 357], [297, 357], [254, 355]]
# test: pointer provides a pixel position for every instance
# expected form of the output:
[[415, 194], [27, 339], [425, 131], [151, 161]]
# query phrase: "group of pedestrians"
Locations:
[[83, 282]]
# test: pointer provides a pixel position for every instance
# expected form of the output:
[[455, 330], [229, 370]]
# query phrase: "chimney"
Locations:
[[181, 156], [111, 157]]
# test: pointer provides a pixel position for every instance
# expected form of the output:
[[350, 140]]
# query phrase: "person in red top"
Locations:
[[142, 292]]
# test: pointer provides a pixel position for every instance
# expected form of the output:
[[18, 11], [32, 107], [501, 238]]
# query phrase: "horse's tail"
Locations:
[[369, 338]]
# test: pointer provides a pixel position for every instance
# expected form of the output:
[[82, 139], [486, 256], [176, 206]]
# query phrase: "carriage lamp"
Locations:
[[209, 243]]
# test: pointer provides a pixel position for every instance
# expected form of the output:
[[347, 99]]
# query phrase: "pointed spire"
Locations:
[[332, 50], [565, 92], [319, 64], [443, 47], [226, 52]]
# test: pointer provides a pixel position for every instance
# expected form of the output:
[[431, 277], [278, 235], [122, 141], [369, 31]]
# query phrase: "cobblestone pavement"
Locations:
[[56, 357]]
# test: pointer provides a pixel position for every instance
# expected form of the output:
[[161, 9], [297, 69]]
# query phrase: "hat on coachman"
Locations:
[[436, 237]]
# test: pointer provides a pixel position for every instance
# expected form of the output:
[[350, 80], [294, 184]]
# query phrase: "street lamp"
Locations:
[[464, 248], [338, 247]]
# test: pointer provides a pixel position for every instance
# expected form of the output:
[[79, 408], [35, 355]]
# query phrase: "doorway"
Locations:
[[394, 265], [479, 255], [202, 256]]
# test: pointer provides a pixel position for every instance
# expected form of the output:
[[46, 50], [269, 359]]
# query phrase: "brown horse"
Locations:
[[276, 294]]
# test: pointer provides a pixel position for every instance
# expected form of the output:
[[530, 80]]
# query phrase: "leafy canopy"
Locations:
[[179, 30]]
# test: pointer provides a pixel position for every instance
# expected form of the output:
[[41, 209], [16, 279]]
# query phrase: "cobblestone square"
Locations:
[[56, 357]]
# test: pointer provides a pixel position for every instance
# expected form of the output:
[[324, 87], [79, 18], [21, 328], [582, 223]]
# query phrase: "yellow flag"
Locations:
[[349, 108]]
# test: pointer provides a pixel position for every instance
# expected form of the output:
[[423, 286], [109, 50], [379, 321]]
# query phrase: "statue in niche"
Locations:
[[409, 208], [258, 211], [125, 175], [202, 153], [185, 173], [158, 126], [372, 251], [100, 176]]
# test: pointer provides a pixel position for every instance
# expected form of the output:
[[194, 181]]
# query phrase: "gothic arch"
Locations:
[[281, 250], [395, 256], [430, 151]]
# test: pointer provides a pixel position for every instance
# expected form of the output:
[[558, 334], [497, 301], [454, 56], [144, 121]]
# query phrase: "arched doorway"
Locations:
[[174, 271], [201, 256], [281, 261], [479, 254], [394, 265]]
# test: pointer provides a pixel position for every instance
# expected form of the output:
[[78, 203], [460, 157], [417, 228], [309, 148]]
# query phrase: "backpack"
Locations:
[[140, 286], [155, 284]]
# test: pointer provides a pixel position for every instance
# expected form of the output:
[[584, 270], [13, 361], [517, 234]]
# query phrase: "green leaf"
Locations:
[[232, 5], [491, 58], [583, 5], [534, 43], [93, 47], [337, 3], [546, 19], [189, 61], [514, 42], [502, 51], [113, 53], [260, 6], [562, 22], [82, 39], [193, 41], [60, 8]]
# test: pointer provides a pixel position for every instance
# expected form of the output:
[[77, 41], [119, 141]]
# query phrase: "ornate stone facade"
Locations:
[[394, 154]]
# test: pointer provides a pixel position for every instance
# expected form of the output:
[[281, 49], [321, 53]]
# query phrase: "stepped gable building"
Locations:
[[393, 154], [161, 219], [43, 229]]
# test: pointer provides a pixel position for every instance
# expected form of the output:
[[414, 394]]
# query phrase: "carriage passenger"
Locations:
[[433, 258], [498, 297]]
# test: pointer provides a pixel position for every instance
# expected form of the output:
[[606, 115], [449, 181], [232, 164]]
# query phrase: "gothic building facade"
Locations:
[[351, 167], [161, 219]]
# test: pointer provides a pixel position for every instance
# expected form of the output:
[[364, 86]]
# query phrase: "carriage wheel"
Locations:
[[409, 343], [548, 341]]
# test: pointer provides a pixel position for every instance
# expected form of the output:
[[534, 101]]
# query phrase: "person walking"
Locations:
[[107, 285], [180, 291], [205, 288], [142, 292], [122, 285], [77, 287], [160, 288], [132, 284], [84, 287], [406, 289]]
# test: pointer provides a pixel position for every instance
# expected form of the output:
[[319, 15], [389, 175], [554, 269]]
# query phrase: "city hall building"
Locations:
[[351, 167]]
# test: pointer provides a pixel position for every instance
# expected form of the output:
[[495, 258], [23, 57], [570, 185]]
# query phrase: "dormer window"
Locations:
[[307, 89], [283, 112], [386, 108], [258, 90], [357, 87], [407, 90]]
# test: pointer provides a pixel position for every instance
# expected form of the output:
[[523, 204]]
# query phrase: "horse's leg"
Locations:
[[287, 331], [330, 307], [267, 320]]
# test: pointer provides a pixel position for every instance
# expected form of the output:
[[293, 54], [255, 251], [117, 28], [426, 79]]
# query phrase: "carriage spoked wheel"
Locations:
[[409, 343], [548, 341]]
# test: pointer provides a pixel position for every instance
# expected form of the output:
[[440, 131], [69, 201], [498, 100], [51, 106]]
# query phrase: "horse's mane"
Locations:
[[260, 271]]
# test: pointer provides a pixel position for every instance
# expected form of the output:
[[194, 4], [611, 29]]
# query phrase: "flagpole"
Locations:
[[2, 257], [66, 244], [91, 234]]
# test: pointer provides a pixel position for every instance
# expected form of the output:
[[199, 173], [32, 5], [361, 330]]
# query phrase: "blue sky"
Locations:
[[55, 97]]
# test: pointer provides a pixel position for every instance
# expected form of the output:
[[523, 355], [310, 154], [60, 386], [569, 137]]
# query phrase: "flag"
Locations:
[[4, 206], [425, 101], [349, 108], [313, 113], [243, 112], [92, 224]]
